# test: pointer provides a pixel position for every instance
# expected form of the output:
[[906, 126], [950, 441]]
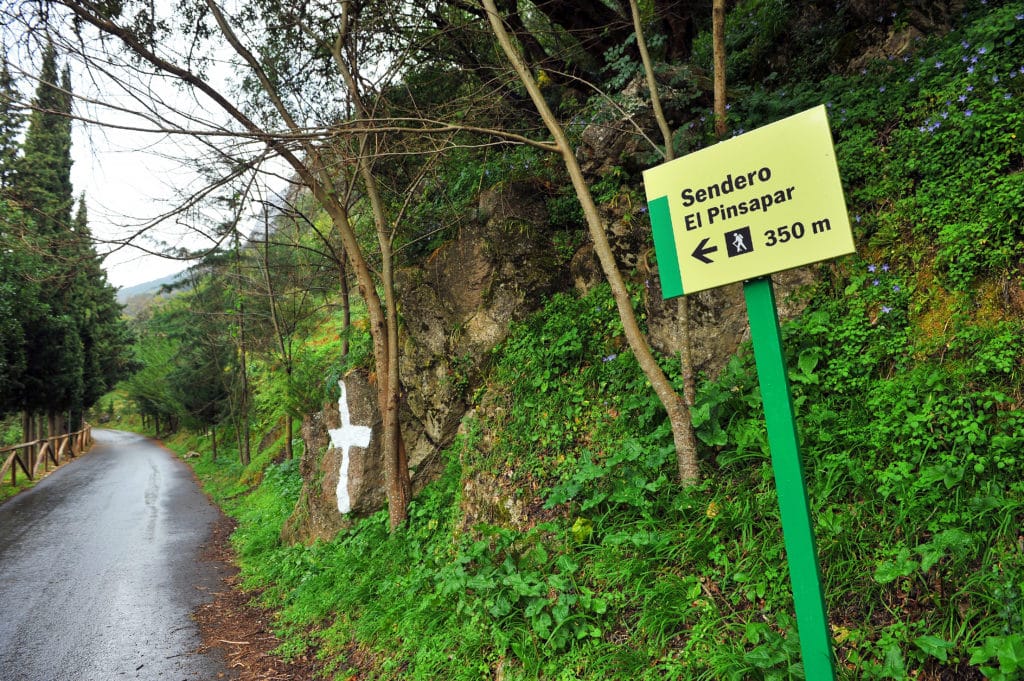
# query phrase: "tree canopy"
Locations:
[[65, 343]]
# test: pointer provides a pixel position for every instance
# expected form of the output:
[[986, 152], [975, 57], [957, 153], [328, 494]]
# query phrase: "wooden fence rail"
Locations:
[[30, 456]]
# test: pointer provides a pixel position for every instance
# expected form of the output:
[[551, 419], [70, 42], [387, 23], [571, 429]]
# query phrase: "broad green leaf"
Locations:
[[934, 646]]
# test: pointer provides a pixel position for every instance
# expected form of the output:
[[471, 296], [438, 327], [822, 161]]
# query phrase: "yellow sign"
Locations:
[[762, 202]]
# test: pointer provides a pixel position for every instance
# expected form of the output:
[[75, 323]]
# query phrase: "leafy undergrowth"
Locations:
[[906, 369], [914, 477]]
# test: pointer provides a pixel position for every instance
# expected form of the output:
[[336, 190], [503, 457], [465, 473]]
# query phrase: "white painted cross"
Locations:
[[343, 438]]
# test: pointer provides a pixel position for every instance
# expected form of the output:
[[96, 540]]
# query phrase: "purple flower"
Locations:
[[1007, 96], [945, 114], [970, 69], [875, 282], [856, 218], [1020, 17], [881, 89], [962, 98], [995, 79], [885, 267], [964, 44], [609, 358], [968, 113], [643, 209], [939, 64], [871, 268], [982, 50], [896, 288], [886, 309], [911, 79]]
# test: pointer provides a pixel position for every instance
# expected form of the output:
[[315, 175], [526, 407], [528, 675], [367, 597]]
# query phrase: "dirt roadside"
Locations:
[[241, 631]]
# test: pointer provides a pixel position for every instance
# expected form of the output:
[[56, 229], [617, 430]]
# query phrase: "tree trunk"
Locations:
[[686, 446], [346, 308], [396, 468], [243, 369], [243, 417], [288, 454], [678, 414], [718, 48]]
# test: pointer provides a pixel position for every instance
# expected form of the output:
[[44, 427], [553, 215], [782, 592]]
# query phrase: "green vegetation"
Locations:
[[63, 343], [914, 481], [908, 381]]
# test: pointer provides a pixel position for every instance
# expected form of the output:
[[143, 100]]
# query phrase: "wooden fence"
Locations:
[[31, 456]]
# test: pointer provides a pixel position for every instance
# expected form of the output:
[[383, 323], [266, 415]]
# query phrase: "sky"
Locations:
[[127, 178], [129, 174], [126, 182], [131, 177]]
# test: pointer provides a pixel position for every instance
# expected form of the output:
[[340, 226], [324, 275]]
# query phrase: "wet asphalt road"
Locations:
[[100, 569]]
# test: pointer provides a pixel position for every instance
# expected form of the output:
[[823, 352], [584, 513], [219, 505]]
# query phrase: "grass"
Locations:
[[7, 490]]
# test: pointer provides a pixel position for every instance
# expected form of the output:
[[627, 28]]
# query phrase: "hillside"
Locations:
[[145, 288], [548, 535]]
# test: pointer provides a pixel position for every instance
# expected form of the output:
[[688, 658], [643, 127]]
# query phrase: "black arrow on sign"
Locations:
[[701, 253]]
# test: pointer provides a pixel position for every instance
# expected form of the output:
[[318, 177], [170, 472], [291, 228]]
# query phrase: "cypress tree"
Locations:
[[44, 172], [69, 344], [54, 376], [11, 122], [103, 331]]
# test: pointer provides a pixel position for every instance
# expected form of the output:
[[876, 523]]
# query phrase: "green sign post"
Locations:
[[762, 202], [797, 531]]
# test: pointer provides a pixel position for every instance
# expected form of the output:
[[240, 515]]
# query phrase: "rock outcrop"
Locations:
[[455, 309]]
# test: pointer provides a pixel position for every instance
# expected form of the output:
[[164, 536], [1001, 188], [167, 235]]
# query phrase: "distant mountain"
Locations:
[[148, 288]]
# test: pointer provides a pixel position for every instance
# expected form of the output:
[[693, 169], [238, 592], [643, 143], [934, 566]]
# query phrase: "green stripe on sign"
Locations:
[[665, 248]]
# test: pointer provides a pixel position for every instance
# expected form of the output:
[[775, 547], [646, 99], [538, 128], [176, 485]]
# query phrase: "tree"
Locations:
[[284, 304], [11, 123], [718, 38], [105, 336], [20, 306], [579, 40], [675, 406], [55, 354], [306, 158], [73, 341], [44, 170]]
